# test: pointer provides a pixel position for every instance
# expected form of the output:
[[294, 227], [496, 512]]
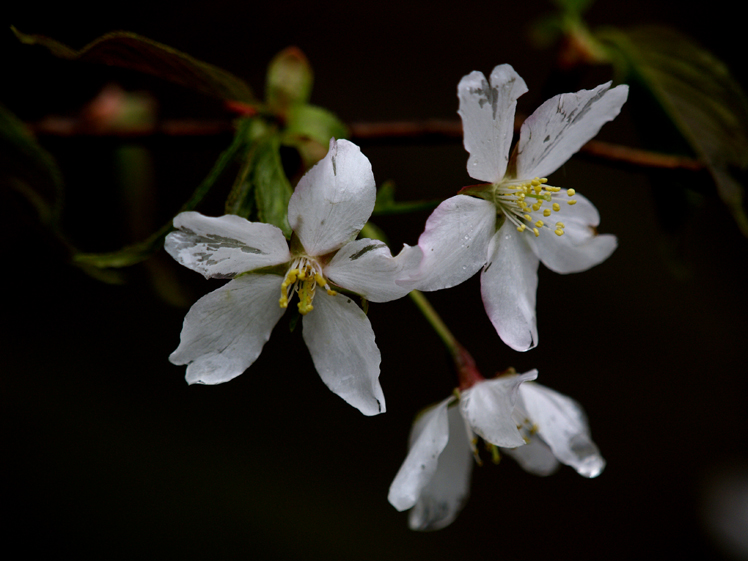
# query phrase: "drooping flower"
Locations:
[[535, 425], [517, 219], [224, 332]]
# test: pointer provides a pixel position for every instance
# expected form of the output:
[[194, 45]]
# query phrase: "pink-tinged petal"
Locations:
[[534, 457], [580, 247], [488, 409], [562, 424], [226, 246], [428, 438], [224, 331], [509, 283], [454, 243], [446, 493], [487, 113], [341, 342], [367, 267], [333, 200], [562, 125]]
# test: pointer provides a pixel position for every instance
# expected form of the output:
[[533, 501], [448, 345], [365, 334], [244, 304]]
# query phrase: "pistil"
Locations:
[[303, 277]]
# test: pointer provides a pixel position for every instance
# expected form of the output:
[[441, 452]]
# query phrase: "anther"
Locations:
[[572, 202], [547, 212], [556, 207], [571, 192]]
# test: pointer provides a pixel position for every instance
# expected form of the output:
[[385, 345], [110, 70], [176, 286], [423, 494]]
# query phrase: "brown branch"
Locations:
[[393, 130]]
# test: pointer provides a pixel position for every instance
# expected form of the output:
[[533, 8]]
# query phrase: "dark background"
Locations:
[[109, 454]]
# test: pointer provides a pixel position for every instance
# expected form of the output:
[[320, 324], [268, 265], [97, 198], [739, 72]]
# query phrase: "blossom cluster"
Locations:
[[503, 227]]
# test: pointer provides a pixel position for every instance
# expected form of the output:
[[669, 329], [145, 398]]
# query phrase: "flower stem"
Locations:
[[467, 372], [436, 321]]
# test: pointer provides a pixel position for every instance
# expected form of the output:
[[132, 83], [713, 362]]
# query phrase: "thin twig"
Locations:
[[384, 131]]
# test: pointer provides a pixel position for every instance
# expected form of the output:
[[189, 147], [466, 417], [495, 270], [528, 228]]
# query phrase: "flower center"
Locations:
[[303, 277], [518, 198]]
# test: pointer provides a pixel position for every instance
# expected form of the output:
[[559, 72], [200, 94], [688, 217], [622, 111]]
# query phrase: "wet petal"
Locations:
[[225, 246], [534, 457], [488, 408], [509, 283], [580, 247], [428, 438], [367, 267], [341, 342], [333, 200], [454, 243], [562, 424], [224, 331], [562, 125], [487, 114], [442, 499]]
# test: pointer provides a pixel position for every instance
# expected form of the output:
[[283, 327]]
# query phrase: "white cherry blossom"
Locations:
[[535, 425], [224, 332], [507, 226]]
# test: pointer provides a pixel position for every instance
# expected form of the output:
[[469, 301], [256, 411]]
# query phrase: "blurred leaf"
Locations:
[[386, 204], [271, 186], [29, 169], [289, 79], [309, 129], [138, 252], [575, 7], [128, 50], [241, 199], [700, 97], [315, 123]]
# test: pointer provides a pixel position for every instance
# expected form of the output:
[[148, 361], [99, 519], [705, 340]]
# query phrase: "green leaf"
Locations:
[[289, 80], [138, 252], [700, 97], [29, 169], [271, 186], [128, 50]]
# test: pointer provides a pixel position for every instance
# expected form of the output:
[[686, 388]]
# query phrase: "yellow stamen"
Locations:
[[535, 230], [571, 192], [572, 202], [547, 212], [556, 207]]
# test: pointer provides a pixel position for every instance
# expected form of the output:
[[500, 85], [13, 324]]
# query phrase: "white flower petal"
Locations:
[[442, 499], [225, 246], [509, 283], [562, 424], [454, 243], [333, 200], [341, 342], [224, 331], [488, 409], [368, 268], [562, 125], [534, 457], [487, 114], [428, 438]]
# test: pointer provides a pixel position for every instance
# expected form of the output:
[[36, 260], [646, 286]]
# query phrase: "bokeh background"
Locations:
[[110, 455]]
